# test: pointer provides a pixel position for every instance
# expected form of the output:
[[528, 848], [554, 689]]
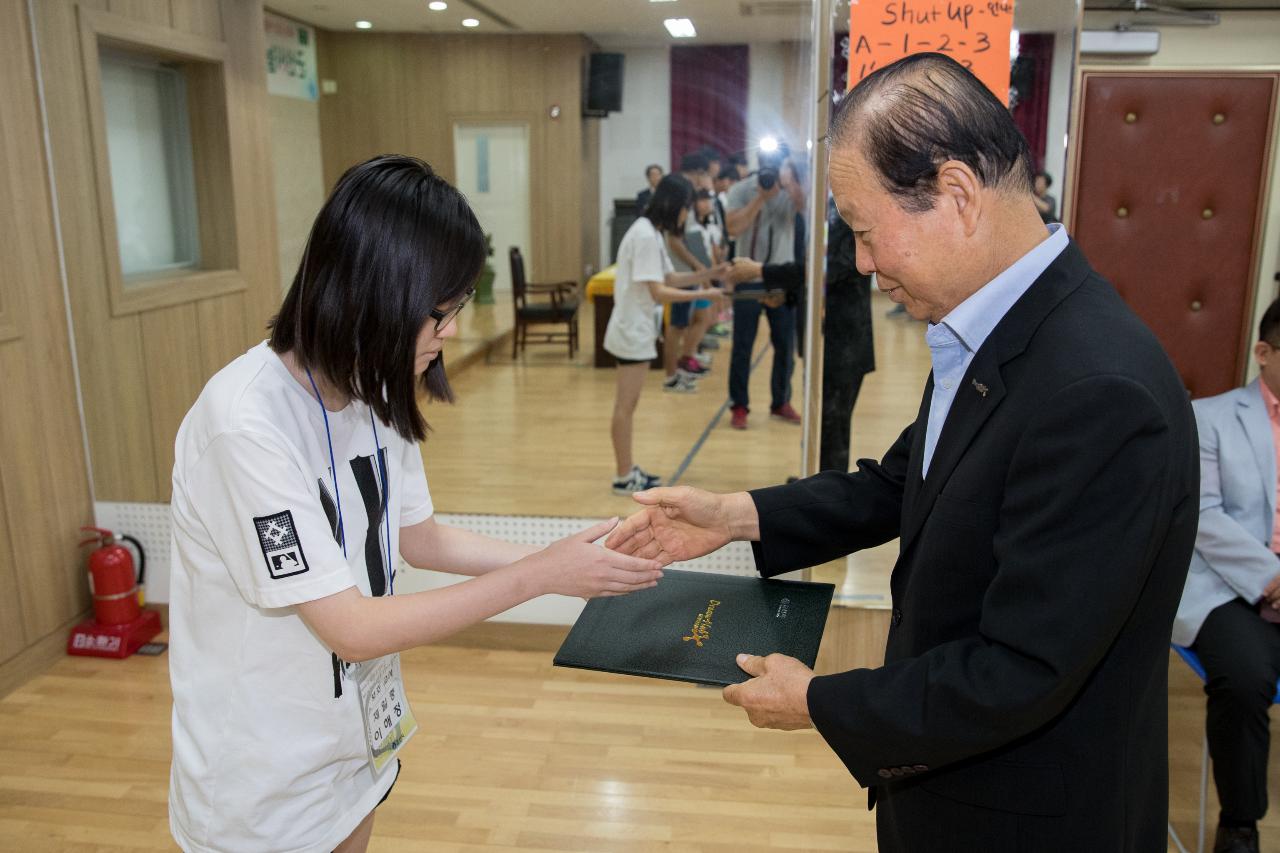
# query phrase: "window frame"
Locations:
[[203, 64]]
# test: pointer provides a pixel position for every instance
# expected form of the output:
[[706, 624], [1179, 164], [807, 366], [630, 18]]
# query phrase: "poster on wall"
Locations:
[[975, 33], [291, 58]]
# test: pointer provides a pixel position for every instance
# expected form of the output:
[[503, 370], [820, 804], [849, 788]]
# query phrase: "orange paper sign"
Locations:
[[975, 33]]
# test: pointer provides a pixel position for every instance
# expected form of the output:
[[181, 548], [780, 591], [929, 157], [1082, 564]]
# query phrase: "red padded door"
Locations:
[[1167, 205]]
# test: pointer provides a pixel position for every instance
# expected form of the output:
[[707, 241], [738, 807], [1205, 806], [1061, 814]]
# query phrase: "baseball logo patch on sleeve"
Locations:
[[280, 546]]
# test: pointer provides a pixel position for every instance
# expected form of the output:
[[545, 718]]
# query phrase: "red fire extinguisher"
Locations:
[[112, 580]]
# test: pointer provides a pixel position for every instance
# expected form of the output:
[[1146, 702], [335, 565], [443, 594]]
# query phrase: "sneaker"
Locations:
[[719, 330], [691, 366], [786, 413], [739, 419], [708, 343], [680, 383], [651, 480], [703, 359], [631, 483]]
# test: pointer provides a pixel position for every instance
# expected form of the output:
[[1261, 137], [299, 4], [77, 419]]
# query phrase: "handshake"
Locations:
[[746, 269]]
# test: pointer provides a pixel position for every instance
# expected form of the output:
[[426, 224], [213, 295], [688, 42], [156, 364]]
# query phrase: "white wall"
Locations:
[[1243, 40], [765, 97], [299, 176], [638, 135], [1060, 83]]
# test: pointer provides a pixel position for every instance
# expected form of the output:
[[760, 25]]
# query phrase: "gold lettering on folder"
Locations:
[[702, 624]]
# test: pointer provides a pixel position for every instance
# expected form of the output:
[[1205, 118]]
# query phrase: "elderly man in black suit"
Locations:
[[1046, 500]]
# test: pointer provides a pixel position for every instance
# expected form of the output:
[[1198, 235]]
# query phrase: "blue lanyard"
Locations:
[[337, 494]]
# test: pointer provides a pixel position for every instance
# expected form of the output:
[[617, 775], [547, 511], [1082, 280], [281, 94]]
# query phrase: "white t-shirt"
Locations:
[[696, 240], [268, 743], [713, 233], [633, 325]]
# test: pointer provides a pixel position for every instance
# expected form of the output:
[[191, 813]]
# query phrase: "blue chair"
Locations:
[[1194, 662]]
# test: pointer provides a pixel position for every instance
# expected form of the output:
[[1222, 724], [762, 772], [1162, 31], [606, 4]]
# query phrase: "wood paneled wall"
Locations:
[[44, 488], [402, 93], [141, 371]]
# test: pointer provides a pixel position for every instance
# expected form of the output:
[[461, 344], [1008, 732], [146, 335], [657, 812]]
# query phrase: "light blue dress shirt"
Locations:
[[954, 341]]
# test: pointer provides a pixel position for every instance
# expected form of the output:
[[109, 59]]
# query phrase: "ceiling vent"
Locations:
[[1155, 12]]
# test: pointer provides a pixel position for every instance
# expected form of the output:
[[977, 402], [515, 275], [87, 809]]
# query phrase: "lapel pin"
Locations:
[[980, 388]]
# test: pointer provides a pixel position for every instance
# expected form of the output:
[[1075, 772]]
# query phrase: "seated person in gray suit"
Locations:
[[1231, 604]]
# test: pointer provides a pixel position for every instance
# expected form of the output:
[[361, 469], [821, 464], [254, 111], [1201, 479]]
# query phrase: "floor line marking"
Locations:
[[715, 419]]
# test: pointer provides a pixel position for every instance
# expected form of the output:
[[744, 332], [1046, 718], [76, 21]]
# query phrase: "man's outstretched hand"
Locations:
[[680, 523]]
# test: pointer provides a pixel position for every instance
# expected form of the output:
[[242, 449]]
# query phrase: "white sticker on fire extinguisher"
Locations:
[[280, 545]]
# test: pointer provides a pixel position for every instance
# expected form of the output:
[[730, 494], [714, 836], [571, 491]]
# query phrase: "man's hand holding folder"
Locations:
[[682, 523], [777, 696]]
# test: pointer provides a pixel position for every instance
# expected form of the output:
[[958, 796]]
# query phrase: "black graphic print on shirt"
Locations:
[[373, 497]]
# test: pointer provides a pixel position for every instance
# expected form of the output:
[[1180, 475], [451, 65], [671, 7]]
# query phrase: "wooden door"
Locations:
[[1168, 197]]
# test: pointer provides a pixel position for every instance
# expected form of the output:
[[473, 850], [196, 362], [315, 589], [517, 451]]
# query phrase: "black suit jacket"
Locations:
[[846, 322], [1022, 705]]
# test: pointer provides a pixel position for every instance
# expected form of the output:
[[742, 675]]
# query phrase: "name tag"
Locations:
[[388, 719]]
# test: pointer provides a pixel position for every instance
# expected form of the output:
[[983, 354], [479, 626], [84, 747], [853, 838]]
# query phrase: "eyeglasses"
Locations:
[[444, 318]]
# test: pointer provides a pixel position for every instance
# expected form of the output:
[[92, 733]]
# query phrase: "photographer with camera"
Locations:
[[761, 217]]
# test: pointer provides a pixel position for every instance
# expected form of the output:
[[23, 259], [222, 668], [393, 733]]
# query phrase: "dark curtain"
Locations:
[[708, 99], [840, 67], [1029, 87]]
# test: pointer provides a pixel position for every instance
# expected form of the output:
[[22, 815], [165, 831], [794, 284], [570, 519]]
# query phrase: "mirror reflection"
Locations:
[[559, 121]]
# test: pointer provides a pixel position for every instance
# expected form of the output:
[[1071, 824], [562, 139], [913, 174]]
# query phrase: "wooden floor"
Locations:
[[515, 754], [530, 436]]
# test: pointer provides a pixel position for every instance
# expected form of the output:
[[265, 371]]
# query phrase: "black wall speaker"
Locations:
[[604, 84]]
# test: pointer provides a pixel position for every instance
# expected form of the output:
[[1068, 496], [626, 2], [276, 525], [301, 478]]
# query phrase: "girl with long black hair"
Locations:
[[298, 486]]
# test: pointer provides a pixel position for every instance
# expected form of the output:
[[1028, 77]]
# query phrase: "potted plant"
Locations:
[[484, 284]]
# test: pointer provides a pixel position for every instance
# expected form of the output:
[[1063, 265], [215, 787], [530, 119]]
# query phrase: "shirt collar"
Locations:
[[1270, 401], [972, 320]]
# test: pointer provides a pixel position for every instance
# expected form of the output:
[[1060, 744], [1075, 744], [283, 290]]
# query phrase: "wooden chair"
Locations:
[[542, 305]]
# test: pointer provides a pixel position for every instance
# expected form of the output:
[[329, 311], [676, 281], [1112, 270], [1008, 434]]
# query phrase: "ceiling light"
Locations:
[[437, 5], [470, 22], [363, 25], [680, 28]]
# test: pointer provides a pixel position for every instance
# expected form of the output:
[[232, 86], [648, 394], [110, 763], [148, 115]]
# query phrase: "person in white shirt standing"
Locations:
[[644, 278], [297, 485]]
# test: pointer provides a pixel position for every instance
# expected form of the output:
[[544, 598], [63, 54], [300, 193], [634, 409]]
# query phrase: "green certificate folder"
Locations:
[[692, 626]]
